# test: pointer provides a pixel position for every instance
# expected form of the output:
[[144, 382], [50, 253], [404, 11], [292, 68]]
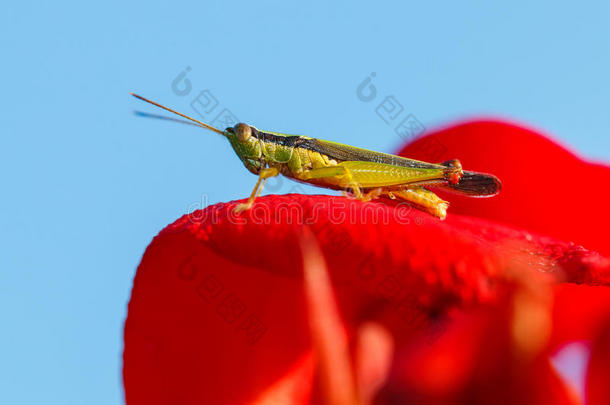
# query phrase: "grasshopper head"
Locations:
[[244, 140]]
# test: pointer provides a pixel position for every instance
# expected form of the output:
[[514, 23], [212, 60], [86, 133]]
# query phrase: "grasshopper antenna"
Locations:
[[165, 118], [211, 128]]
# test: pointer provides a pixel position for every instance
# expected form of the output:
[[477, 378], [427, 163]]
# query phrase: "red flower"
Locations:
[[545, 188], [469, 309]]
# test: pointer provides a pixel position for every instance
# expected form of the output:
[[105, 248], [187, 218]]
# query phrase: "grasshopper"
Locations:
[[361, 173]]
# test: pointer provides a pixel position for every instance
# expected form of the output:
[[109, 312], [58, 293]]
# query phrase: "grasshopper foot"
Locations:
[[241, 207], [372, 194], [424, 199]]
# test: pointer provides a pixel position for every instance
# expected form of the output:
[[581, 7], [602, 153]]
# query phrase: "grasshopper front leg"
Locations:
[[263, 175]]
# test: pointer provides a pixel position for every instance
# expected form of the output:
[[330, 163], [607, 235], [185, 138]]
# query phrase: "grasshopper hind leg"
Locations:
[[367, 181]]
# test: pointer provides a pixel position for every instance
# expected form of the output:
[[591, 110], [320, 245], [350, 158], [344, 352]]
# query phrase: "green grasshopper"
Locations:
[[361, 173]]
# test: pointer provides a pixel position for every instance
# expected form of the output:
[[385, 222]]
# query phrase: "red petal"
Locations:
[[475, 361], [329, 340], [546, 189], [582, 313], [578, 312], [218, 314], [598, 375]]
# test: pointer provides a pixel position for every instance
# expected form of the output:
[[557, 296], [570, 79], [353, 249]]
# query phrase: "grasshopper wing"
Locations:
[[341, 152], [474, 184]]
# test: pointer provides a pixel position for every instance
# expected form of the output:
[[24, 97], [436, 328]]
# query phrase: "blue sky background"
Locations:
[[86, 184]]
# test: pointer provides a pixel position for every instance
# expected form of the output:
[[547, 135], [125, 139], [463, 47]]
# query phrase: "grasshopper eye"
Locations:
[[243, 131]]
